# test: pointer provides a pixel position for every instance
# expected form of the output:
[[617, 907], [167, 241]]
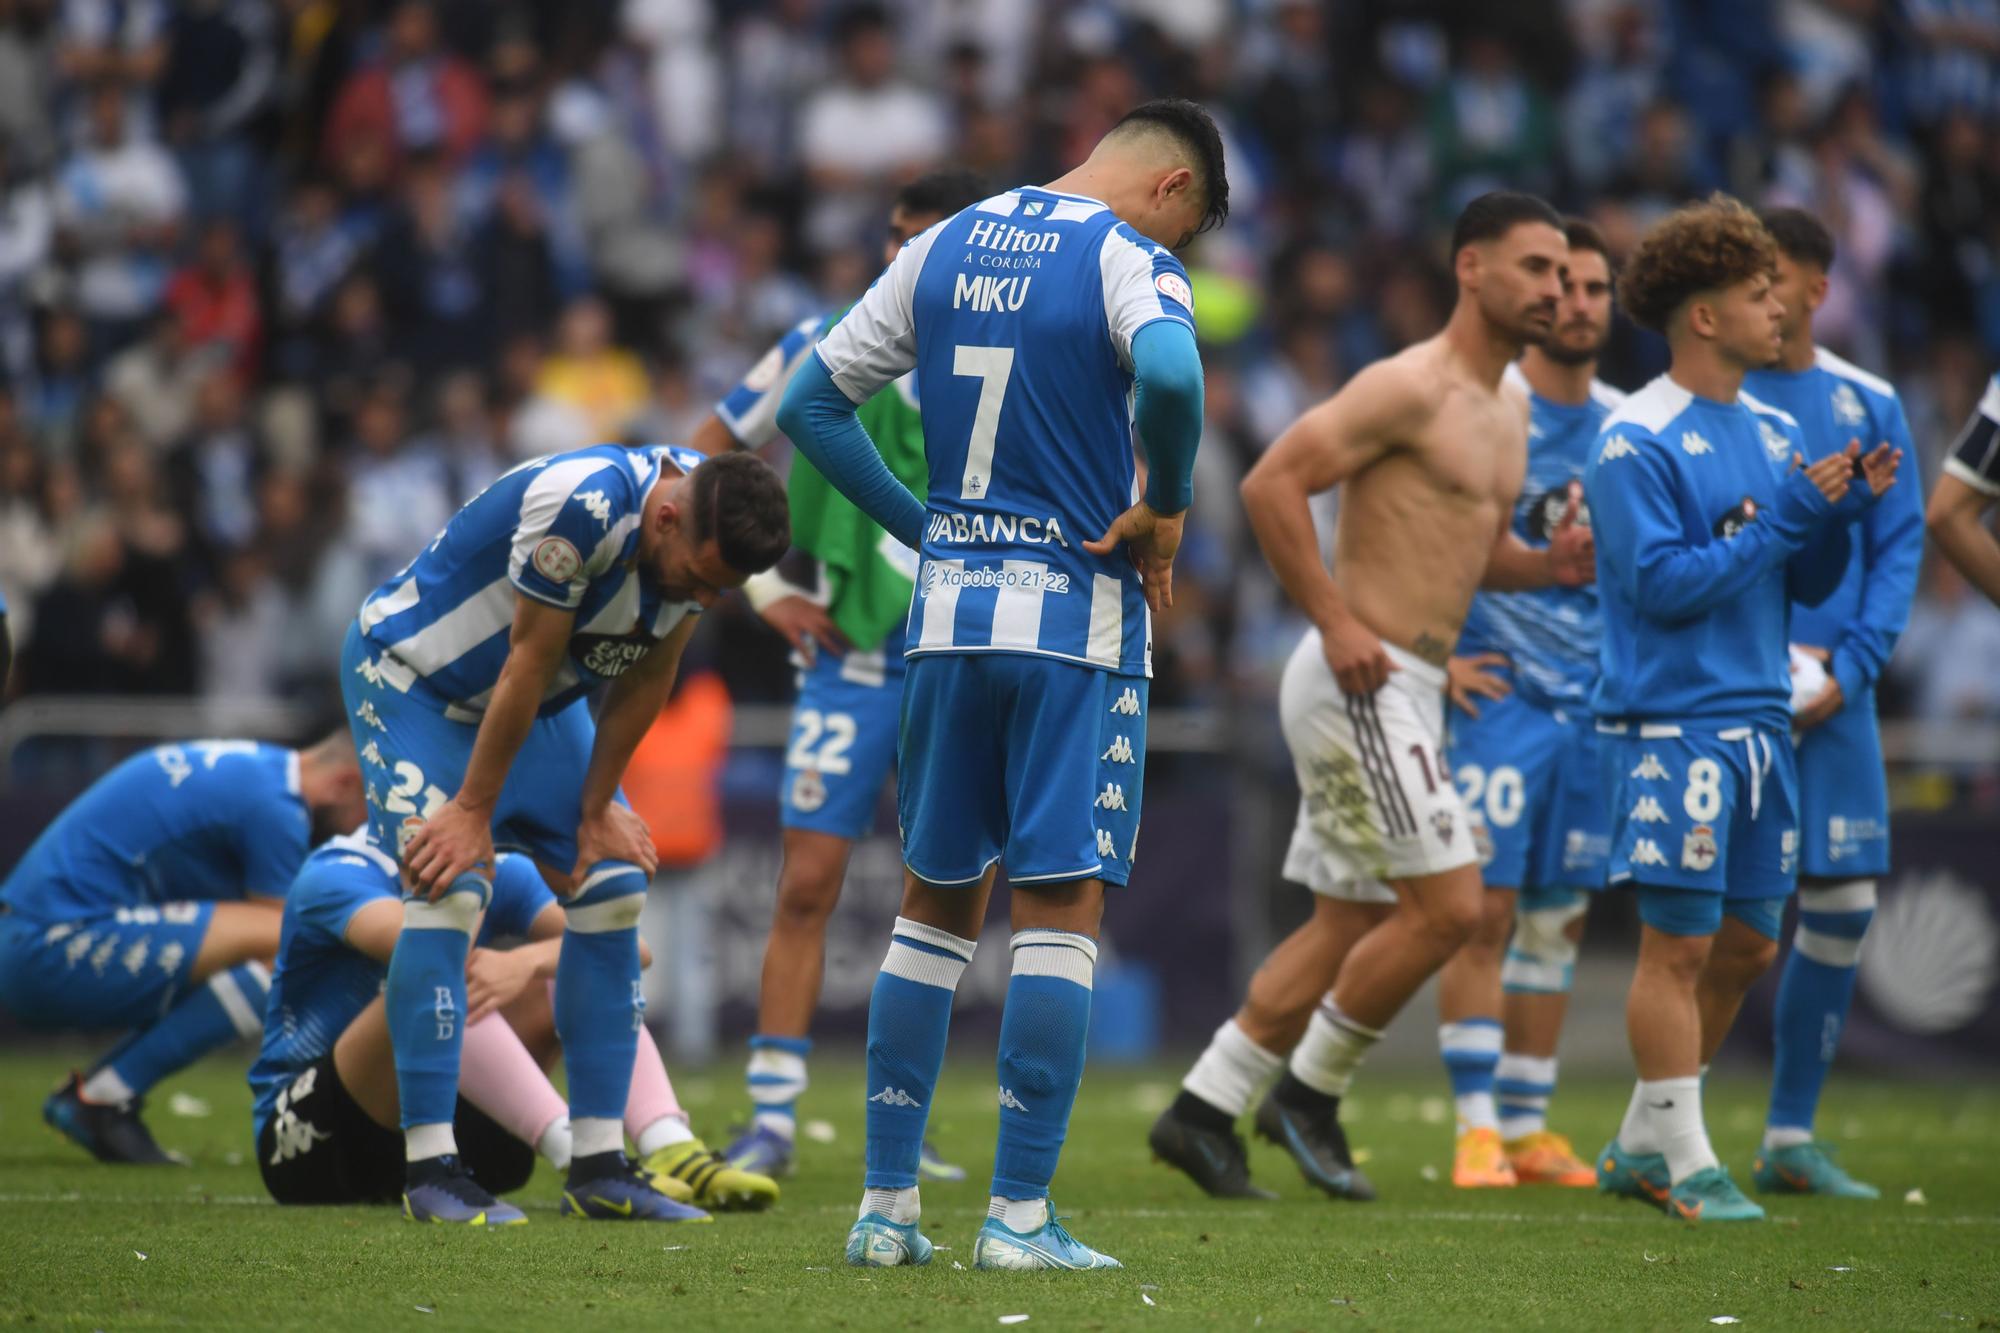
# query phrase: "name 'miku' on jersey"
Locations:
[[1018, 249]]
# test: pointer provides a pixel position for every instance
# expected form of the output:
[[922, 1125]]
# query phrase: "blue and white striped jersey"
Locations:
[[1018, 315], [750, 410], [562, 530], [1549, 635]]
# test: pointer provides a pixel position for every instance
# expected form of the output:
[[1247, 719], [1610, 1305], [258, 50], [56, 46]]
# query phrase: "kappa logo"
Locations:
[[896, 1097], [1111, 798], [78, 946], [370, 670], [1650, 769], [1693, 445], [1646, 852], [135, 957], [170, 956], [1119, 753], [1698, 849], [368, 715], [1617, 447], [556, 560], [291, 1135], [598, 504], [1009, 1102], [1106, 847], [1646, 810], [1847, 406], [372, 753], [1126, 704]]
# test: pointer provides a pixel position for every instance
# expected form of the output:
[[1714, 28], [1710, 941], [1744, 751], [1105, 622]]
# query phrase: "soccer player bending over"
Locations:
[[325, 1083], [1041, 323], [1842, 645], [466, 678], [1709, 526], [153, 903]]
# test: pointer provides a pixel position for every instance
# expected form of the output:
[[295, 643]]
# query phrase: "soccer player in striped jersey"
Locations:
[[1967, 489], [465, 678], [1042, 323], [1524, 753], [847, 627], [1839, 649], [1429, 448], [153, 903]]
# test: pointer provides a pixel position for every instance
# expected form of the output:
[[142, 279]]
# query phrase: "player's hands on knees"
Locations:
[[451, 842], [1152, 540], [805, 625], [1360, 663], [615, 833], [1476, 675], [1831, 474], [494, 979], [1572, 548]]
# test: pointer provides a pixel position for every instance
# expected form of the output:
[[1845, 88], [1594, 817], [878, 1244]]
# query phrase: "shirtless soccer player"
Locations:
[[1430, 449]]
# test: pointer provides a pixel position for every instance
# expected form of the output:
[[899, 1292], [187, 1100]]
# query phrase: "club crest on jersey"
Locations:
[[1847, 406], [1617, 447], [1698, 850], [1175, 288], [1694, 445], [808, 791], [1775, 443], [1543, 514], [1736, 519], [556, 560], [1442, 822]]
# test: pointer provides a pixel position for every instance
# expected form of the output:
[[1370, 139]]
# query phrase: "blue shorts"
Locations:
[[1714, 812], [1844, 797], [1530, 775], [413, 759], [119, 969], [1028, 761], [843, 744]]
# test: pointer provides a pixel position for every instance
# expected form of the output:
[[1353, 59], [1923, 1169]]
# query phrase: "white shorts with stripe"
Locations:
[[1377, 801]]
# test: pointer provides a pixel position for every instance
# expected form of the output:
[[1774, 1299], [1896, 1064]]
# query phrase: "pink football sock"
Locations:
[[653, 1115], [497, 1075]]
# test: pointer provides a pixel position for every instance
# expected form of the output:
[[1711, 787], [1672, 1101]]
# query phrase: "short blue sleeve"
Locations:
[[576, 517], [334, 886], [519, 895]]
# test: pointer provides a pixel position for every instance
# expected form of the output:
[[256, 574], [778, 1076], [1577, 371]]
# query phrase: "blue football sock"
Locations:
[[599, 1003], [425, 998], [908, 1017], [1471, 1050], [1813, 997], [1042, 1036], [777, 1079], [230, 1004]]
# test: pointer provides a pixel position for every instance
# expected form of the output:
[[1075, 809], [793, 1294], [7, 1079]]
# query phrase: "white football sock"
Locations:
[[1673, 1107], [422, 1142], [1476, 1110], [592, 1135], [664, 1133], [555, 1144], [1786, 1136], [1020, 1215], [1333, 1048], [1231, 1070], [901, 1206], [106, 1088], [1636, 1134]]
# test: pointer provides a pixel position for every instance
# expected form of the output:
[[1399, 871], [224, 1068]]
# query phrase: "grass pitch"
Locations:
[[93, 1247]]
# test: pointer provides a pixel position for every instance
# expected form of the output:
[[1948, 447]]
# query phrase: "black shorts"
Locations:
[[319, 1146]]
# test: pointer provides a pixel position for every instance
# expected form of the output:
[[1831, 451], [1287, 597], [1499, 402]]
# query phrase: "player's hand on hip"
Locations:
[[1879, 467], [1830, 700], [1360, 663], [805, 625], [1476, 675], [615, 833], [1833, 473], [1572, 548], [494, 979], [1152, 540], [452, 842]]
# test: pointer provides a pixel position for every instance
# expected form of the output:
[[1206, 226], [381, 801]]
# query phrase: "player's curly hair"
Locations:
[[1698, 248]]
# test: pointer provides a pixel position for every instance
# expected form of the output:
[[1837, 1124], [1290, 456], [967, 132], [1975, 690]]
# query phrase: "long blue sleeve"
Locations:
[[821, 422], [1640, 541], [1892, 551], [1168, 410], [1817, 571]]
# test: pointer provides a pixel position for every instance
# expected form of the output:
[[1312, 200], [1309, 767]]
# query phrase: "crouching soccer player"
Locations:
[[153, 903], [1843, 788], [465, 677], [1708, 529], [325, 1086]]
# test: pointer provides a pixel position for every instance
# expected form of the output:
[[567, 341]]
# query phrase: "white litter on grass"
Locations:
[[1840, 1268], [194, 1108], [1013, 1319], [959, 1266], [1915, 1196], [1649, 1256], [1432, 1110], [1725, 1319], [819, 1131], [813, 1268], [1147, 1299], [136, 1254], [1429, 1172], [423, 1309], [669, 1249]]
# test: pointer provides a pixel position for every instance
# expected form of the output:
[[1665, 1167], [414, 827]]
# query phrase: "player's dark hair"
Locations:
[[1194, 130], [740, 501], [1582, 234], [1697, 248], [865, 16], [1493, 215], [944, 191], [1800, 236]]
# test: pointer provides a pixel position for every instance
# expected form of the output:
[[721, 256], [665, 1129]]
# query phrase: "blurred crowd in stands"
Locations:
[[282, 282]]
